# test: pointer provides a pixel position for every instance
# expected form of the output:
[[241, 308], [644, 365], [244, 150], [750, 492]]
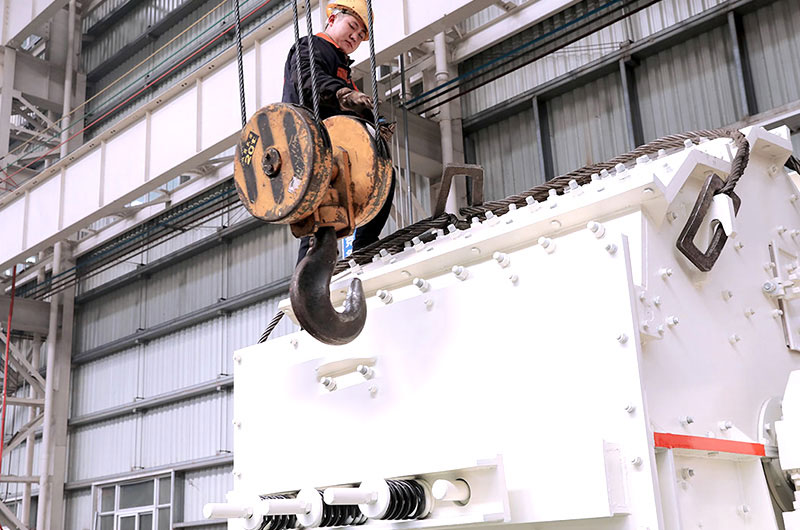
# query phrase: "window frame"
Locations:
[[157, 504]]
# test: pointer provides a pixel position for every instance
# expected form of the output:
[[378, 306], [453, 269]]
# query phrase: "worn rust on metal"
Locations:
[[283, 164]]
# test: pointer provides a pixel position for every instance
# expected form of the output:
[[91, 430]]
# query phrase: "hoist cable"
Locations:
[[372, 66], [239, 61], [296, 24], [312, 62]]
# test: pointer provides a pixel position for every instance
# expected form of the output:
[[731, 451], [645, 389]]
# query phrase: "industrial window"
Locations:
[[143, 504]]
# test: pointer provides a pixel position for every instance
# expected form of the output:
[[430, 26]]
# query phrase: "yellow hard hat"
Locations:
[[354, 7]]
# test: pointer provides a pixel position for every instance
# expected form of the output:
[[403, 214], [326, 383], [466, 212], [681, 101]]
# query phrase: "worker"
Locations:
[[345, 30]]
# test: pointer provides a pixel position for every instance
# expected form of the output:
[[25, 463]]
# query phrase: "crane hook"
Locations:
[[311, 295]]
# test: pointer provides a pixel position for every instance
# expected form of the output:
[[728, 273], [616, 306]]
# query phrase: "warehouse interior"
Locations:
[[135, 272]]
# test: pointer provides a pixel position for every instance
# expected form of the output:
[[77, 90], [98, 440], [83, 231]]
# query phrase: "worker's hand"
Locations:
[[386, 131], [354, 101]]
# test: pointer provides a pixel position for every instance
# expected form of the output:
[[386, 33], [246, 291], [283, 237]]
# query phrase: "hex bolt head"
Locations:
[[373, 391], [727, 294], [665, 272], [622, 338], [630, 408], [749, 312], [672, 321], [547, 244], [769, 287], [611, 248], [502, 259], [637, 461], [421, 284], [777, 313], [329, 383], [365, 371], [428, 303], [460, 272], [657, 301], [725, 425], [385, 296], [513, 278], [743, 509], [596, 228], [792, 198], [688, 143], [733, 339], [738, 245], [780, 229], [687, 473], [686, 420]]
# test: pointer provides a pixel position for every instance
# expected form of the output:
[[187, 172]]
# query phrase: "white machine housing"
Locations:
[[565, 360]]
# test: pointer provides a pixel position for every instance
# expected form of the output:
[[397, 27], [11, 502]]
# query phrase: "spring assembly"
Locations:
[[341, 515], [406, 500], [278, 522]]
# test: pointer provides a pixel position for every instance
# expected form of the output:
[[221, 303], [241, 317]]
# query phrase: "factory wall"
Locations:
[[689, 84]]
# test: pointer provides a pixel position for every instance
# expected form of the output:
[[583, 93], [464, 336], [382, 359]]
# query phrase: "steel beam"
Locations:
[[29, 315], [22, 434], [542, 125], [11, 517], [744, 78], [630, 99], [180, 129], [21, 19], [19, 479], [20, 364]]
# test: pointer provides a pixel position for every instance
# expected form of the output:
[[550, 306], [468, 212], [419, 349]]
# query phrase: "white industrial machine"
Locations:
[[561, 366]]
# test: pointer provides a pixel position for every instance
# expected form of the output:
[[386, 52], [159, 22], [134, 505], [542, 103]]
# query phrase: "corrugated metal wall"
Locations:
[[773, 45], [79, 510], [201, 485], [509, 154], [641, 25], [689, 86], [587, 124]]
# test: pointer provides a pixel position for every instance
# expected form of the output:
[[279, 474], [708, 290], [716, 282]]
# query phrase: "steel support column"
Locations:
[[53, 463], [541, 122], [744, 80], [630, 98], [6, 98]]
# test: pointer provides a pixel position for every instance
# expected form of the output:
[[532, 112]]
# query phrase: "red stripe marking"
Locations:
[[701, 443]]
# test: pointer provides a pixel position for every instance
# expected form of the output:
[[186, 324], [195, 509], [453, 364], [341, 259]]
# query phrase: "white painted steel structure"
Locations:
[[185, 127], [565, 359]]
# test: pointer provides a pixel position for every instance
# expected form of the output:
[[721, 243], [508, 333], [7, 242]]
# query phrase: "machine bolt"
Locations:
[[502, 259], [725, 425], [573, 185], [620, 168], [688, 143], [293, 342], [665, 272], [643, 159], [738, 245], [660, 330], [769, 287], [727, 294], [749, 312], [622, 338], [657, 301], [421, 284], [329, 383], [686, 420], [733, 339], [373, 390], [637, 461], [773, 170], [671, 216], [551, 198], [365, 370], [237, 358], [687, 473], [512, 207], [491, 218], [777, 313], [672, 321], [611, 248], [416, 240], [595, 177], [662, 153], [460, 272], [604, 174], [385, 296], [780, 229], [428, 303], [547, 244], [630, 408], [792, 198], [533, 203], [596, 228], [513, 278], [744, 509]]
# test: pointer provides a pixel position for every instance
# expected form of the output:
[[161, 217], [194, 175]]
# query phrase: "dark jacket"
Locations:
[[333, 73]]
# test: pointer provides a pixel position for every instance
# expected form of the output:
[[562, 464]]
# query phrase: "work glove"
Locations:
[[386, 130], [354, 101]]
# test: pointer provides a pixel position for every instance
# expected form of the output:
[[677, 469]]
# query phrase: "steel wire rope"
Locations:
[[312, 60], [296, 26], [240, 65], [140, 91], [117, 80], [397, 241], [372, 66]]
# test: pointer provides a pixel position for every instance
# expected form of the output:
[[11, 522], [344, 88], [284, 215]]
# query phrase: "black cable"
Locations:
[[372, 65], [296, 25], [241, 66], [270, 327], [312, 62]]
